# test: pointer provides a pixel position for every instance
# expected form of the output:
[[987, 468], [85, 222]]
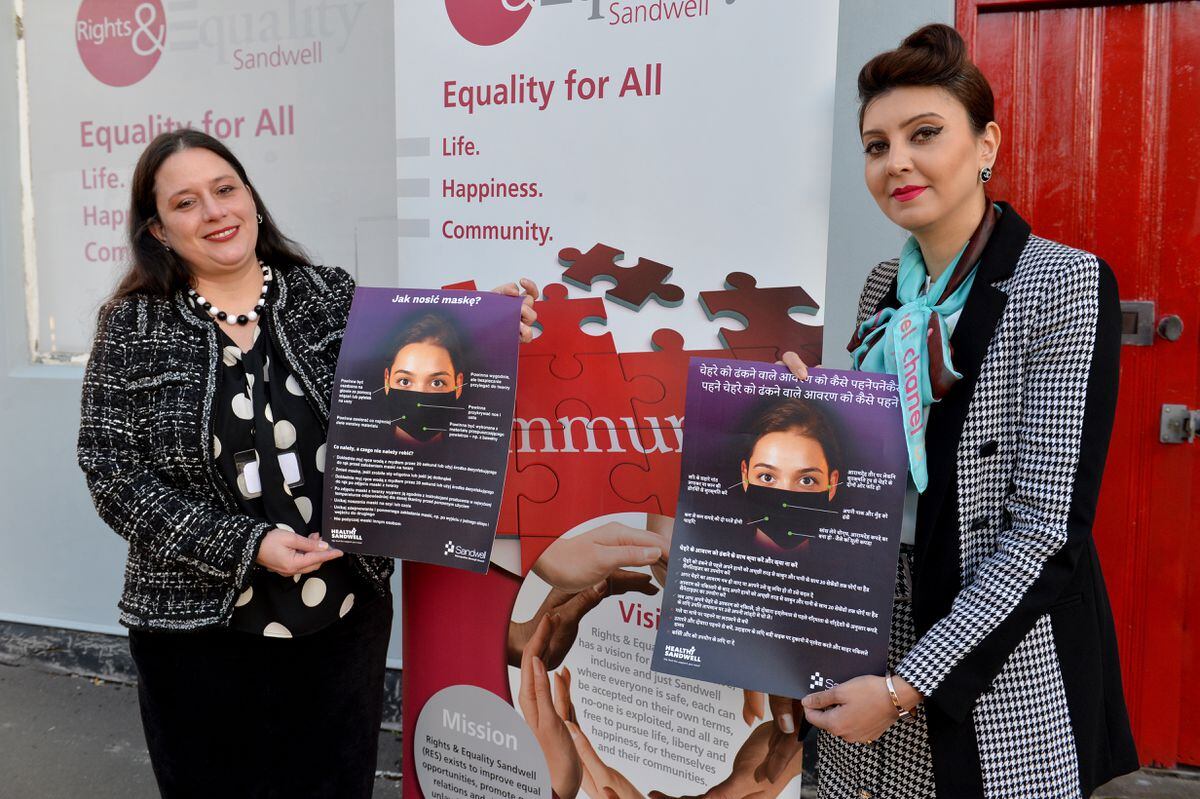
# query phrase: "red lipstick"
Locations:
[[906, 193]]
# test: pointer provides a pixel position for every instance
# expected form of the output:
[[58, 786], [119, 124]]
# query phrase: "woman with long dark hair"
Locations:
[[259, 648], [1003, 678]]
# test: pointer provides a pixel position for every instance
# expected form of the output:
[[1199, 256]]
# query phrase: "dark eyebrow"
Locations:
[[431, 374], [760, 464], [214, 180], [904, 124]]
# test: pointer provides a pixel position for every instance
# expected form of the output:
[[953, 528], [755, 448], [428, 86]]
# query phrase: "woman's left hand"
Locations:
[[527, 290], [857, 711]]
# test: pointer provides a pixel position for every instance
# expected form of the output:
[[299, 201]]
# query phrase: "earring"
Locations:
[[260, 219], [166, 246], [985, 174]]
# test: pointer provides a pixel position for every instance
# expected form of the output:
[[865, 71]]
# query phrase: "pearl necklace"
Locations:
[[240, 319]]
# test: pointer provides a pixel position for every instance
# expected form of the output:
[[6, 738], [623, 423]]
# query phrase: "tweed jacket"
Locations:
[[145, 444], [1016, 652]]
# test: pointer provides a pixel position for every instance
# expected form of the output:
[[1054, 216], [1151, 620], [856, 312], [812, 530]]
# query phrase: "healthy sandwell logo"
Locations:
[[120, 41], [345, 534], [488, 22], [681, 654]]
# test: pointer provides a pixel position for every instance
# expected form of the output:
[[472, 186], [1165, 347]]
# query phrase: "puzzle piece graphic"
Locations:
[[633, 286], [560, 319], [534, 483], [667, 366], [605, 389], [580, 429], [584, 491], [658, 482], [764, 312]]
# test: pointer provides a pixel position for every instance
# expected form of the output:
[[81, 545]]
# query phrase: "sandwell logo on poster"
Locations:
[[681, 654], [345, 534], [120, 41], [454, 550], [817, 683]]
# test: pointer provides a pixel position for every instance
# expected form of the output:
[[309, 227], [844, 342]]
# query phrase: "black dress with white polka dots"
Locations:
[[269, 445]]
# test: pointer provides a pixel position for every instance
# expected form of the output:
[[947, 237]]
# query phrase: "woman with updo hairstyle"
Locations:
[[260, 649], [1002, 673]]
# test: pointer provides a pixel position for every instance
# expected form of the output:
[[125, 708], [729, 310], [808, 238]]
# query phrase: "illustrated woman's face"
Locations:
[[922, 156], [206, 214], [791, 461], [423, 366]]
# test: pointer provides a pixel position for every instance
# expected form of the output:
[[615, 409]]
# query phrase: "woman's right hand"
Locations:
[[289, 554], [792, 361]]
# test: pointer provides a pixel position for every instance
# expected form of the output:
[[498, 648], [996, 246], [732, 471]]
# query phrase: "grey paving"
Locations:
[[65, 737]]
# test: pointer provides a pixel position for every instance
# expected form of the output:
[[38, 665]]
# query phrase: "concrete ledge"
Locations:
[[106, 657]]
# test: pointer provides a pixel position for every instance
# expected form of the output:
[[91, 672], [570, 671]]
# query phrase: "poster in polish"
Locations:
[[420, 423], [783, 555]]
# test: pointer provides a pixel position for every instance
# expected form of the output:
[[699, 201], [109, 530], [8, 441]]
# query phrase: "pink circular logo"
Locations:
[[488, 22], [120, 41]]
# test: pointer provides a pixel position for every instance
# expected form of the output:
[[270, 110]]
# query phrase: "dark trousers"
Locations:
[[230, 714]]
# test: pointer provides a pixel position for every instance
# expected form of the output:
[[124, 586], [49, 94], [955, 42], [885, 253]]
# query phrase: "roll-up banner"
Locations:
[[661, 169], [300, 90]]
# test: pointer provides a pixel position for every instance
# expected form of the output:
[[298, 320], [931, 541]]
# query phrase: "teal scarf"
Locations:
[[913, 342]]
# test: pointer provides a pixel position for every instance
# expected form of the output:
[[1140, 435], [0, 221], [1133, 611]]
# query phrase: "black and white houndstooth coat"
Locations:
[[1014, 646]]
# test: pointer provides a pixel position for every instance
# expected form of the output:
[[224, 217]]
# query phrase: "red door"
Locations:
[[1099, 105]]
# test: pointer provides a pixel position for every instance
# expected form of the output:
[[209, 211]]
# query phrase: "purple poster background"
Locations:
[[783, 557], [420, 424]]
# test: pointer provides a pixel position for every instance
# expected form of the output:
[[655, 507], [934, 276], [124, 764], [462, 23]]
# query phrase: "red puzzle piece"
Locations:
[[533, 484], [560, 319], [579, 429], [584, 491], [658, 482], [764, 312], [601, 391], [633, 286], [667, 364]]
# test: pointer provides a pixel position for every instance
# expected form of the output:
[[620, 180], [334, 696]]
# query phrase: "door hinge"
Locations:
[[1178, 424], [20, 26]]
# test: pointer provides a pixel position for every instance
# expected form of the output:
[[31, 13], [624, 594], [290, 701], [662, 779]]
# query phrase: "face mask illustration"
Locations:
[[789, 518], [421, 414]]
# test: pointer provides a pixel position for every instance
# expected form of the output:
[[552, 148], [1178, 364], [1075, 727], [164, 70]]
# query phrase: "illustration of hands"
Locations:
[[599, 781], [573, 564], [785, 744], [663, 527], [537, 705], [748, 778], [570, 608]]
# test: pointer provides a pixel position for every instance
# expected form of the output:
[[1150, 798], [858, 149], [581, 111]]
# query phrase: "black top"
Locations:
[[269, 446]]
